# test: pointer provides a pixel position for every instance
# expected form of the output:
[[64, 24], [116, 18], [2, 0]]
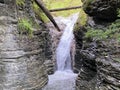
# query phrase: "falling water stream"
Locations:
[[64, 78], [63, 49]]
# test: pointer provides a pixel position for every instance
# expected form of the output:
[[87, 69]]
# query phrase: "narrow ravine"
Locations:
[[64, 78]]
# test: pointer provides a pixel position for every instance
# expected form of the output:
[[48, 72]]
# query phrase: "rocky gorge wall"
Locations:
[[22, 58], [97, 60]]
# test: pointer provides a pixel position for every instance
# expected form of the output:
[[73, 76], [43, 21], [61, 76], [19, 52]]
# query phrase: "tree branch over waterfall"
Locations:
[[67, 8], [47, 13]]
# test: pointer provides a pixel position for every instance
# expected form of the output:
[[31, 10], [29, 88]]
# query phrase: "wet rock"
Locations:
[[98, 62], [3, 19], [102, 9], [108, 72], [87, 77], [21, 69], [86, 80], [1, 1], [78, 45], [49, 66], [55, 38], [21, 57], [99, 71]]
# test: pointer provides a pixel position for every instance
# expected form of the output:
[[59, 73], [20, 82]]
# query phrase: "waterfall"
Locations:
[[63, 50], [64, 78]]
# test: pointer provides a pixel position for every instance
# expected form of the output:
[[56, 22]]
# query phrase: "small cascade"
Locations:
[[63, 49], [64, 78]]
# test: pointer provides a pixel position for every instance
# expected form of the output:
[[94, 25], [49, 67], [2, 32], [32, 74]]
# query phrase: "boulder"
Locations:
[[1, 1], [102, 9]]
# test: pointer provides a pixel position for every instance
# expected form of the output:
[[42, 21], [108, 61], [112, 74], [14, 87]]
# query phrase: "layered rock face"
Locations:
[[21, 57], [97, 61], [99, 70], [77, 58]]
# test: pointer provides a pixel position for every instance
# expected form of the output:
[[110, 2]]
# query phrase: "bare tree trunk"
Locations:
[[63, 9], [46, 11]]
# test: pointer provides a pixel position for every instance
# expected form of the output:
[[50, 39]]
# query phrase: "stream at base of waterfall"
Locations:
[[64, 78]]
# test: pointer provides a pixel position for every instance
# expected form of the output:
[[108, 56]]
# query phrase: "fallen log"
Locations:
[[63, 9], [47, 13]]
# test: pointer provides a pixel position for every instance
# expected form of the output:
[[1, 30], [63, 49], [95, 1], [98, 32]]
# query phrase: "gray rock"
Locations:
[[21, 57], [98, 62]]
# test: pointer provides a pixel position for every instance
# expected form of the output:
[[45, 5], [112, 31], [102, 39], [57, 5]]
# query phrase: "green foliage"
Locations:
[[25, 26], [95, 34], [81, 21], [83, 18], [39, 13], [20, 2], [54, 4], [113, 31]]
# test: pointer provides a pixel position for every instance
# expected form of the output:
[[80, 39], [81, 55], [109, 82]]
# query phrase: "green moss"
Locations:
[[20, 2], [86, 3], [25, 26], [82, 19], [39, 13]]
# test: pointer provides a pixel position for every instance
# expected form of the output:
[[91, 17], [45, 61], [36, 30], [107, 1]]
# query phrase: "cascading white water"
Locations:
[[64, 78], [63, 49]]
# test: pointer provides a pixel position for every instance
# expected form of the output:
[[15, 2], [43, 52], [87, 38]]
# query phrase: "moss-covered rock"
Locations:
[[81, 21], [102, 9]]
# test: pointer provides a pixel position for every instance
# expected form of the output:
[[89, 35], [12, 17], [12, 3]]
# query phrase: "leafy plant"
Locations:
[[96, 34], [25, 26], [112, 31]]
